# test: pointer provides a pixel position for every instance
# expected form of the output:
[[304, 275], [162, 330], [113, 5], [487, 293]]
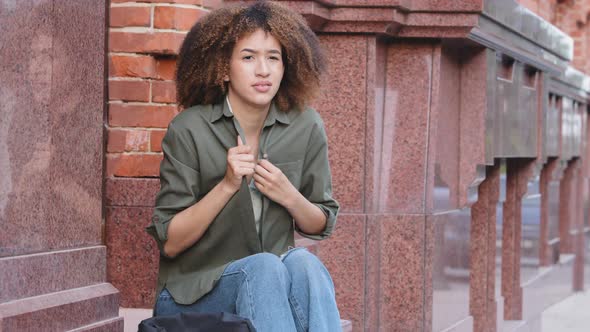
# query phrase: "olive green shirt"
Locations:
[[195, 159]]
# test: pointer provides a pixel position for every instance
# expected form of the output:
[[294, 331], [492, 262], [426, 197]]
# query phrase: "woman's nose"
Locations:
[[262, 68]]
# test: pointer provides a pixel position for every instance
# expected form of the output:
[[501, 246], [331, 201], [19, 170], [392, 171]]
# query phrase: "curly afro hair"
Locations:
[[206, 51]]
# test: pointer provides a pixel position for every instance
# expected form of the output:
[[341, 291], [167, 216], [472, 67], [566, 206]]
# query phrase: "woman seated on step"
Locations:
[[245, 164]]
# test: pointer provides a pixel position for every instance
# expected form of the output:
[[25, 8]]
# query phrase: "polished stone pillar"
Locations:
[[482, 299], [549, 234], [518, 173], [52, 257]]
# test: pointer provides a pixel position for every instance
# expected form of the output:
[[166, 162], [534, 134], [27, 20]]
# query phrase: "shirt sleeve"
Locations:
[[316, 184], [179, 183]]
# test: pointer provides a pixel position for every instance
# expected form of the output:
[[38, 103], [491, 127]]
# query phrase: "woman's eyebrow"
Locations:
[[275, 51]]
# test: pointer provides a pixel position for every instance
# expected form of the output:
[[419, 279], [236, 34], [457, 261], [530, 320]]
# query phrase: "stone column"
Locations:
[[549, 234], [483, 303], [52, 84], [518, 173]]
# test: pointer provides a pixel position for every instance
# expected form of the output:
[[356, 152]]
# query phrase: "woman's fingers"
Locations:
[[242, 168], [262, 171], [259, 179], [239, 149], [243, 157], [268, 166], [246, 171]]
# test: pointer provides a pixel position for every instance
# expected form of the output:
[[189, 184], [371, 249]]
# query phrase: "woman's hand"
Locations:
[[240, 163], [273, 184]]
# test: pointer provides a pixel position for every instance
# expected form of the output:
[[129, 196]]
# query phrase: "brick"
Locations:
[[129, 90], [156, 137], [532, 5], [166, 69], [132, 66], [124, 140], [130, 17], [163, 92], [171, 17], [186, 2], [116, 140], [213, 4], [151, 116], [133, 165], [145, 42]]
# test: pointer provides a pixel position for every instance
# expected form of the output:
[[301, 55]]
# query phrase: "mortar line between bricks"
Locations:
[[130, 4], [132, 206], [137, 128], [179, 5], [139, 103], [127, 79], [151, 93], [147, 30], [152, 16], [136, 55], [135, 153]]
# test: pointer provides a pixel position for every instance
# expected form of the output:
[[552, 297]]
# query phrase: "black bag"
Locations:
[[197, 322]]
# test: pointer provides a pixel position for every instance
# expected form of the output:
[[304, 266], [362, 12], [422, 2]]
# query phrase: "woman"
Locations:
[[245, 164]]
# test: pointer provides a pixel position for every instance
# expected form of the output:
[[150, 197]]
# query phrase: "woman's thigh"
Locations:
[[223, 297]]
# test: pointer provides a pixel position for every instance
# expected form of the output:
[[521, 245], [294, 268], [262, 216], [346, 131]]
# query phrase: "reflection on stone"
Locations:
[[451, 267]]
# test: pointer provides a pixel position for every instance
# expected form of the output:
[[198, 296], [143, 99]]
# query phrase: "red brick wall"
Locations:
[[144, 37], [572, 17]]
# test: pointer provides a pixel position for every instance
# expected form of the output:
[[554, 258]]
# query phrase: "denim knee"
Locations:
[[266, 266], [302, 260]]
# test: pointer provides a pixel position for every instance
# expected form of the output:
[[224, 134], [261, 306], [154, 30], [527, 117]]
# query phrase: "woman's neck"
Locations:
[[251, 119]]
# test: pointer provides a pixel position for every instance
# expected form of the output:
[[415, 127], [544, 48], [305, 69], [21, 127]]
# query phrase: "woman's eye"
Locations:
[[274, 58], [248, 57]]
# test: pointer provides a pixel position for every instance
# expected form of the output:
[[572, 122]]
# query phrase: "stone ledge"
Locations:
[[36, 274], [109, 325], [61, 311]]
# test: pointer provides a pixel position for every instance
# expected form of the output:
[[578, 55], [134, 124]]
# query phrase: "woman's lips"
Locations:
[[262, 86]]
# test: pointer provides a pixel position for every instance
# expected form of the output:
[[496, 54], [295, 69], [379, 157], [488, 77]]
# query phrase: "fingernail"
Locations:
[[265, 156]]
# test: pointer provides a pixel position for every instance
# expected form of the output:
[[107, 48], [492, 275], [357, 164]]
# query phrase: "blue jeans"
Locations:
[[292, 293]]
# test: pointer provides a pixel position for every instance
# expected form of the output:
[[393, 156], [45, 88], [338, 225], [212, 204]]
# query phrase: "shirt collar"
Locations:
[[274, 114], [220, 110]]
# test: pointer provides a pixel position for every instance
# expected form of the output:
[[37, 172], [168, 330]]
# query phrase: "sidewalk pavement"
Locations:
[[133, 317], [569, 315]]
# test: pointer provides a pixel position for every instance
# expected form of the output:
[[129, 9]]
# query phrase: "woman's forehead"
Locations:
[[258, 40]]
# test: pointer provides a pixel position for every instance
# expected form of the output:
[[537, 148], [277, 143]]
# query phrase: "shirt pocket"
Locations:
[[292, 170]]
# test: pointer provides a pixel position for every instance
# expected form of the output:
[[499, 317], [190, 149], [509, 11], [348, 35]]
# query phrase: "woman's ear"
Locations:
[[226, 78]]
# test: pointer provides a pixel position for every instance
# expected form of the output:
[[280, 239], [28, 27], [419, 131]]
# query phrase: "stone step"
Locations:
[[109, 325], [346, 325], [31, 275], [62, 311]]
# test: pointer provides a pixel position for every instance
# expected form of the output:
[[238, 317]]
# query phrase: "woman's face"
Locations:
[[255, 70]]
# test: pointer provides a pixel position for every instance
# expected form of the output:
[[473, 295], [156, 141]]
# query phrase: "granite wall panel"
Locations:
[[395, 273], [342, 106], [132, 255], [405, 125], [52, 109], [345, 257]]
